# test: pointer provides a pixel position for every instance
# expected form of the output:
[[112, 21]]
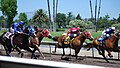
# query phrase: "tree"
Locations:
[[104, 22], [23, 17], [61, 20], [2, 21], [78, 17], [40, 18], [49, 15], [118, 18], [9, 9], [69, 17], [78, 23]]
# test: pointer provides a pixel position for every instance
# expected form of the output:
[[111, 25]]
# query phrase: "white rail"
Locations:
[[13, 62]]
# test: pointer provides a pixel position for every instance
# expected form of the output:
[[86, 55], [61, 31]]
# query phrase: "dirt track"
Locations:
[[81, 60]]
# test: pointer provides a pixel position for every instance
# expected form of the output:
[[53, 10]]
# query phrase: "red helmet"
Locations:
[[78, 28]]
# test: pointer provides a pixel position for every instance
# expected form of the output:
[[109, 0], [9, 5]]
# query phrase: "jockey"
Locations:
[[31, 31], [17, 27], [73, 32], [106, 34]]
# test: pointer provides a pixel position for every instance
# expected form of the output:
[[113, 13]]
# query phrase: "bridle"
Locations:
[[84, 34]]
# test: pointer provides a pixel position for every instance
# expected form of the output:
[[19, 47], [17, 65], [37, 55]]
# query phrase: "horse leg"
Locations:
[[103, 54], [33, 54], [6, 49], [29, 50], [76, 52], [63, 52], [64, 58], [37, 47], [99, 51], [90, 46], [55, 49], [19, 50], [70, 52], [109, 53]]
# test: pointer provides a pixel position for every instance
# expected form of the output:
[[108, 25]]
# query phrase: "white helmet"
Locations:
[[113, 28]]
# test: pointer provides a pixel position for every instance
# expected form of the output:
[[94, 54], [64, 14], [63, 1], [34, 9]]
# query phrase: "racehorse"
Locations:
[[35, 42], [111, 44], [5, 44], [16, 41], [20, 41], [76, 43]]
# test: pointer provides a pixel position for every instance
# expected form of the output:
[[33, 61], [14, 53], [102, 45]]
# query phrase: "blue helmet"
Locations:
[[21, 23]]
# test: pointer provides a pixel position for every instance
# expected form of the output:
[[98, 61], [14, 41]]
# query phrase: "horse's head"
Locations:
[[46, 33], [117, 34], [26, 30], [87, 35]]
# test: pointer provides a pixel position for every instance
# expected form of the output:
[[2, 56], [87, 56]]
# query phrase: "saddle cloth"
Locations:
[[8, 35], [68, 41]]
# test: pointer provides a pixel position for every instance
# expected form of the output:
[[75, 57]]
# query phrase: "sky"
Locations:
[[110, 7]]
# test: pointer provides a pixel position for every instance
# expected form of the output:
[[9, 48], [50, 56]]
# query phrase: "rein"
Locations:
[[84, 35], [116, 36]]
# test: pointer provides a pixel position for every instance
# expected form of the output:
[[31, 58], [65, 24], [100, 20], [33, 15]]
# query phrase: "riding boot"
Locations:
[[67, 38]]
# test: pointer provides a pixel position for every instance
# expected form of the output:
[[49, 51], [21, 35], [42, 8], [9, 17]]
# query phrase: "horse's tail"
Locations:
[[55, 38], [1, 38], [88, 45]]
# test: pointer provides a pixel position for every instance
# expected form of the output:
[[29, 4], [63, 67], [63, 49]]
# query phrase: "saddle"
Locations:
[[100, 40], [68, 40]]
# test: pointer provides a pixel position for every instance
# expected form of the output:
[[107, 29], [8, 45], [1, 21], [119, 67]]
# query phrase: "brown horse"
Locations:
[[111, 44], [36, 41], [75, 43]]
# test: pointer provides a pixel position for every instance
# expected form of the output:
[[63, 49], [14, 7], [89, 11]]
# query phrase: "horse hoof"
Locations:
[[37, 55], [8, 55], [34, 58], [53, 51], [110, 55], [88, 49], [65, 58], [22, 55]]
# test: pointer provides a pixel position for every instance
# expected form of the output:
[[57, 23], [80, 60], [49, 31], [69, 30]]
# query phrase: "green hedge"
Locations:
[[60, 29]]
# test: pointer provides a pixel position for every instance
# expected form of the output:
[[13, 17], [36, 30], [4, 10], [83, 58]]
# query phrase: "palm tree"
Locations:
[[40, 17], [49, 15]]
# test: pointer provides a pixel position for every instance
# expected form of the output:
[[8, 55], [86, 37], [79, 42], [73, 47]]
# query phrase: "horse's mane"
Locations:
[[113, 36], [2, 37]]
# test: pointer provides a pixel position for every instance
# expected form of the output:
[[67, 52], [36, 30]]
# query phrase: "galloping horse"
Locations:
[[5, 44], [17, 41], [111, 44], [35, 42], [20, 41], [76, 43]]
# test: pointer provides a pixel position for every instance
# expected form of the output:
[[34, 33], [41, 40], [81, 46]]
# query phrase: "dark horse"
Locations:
[[111, 44], [16, 41], [5, 44], [20, 41], [75, 43]]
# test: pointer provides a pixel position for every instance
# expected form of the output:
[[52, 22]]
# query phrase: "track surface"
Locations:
[[81, 60]]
